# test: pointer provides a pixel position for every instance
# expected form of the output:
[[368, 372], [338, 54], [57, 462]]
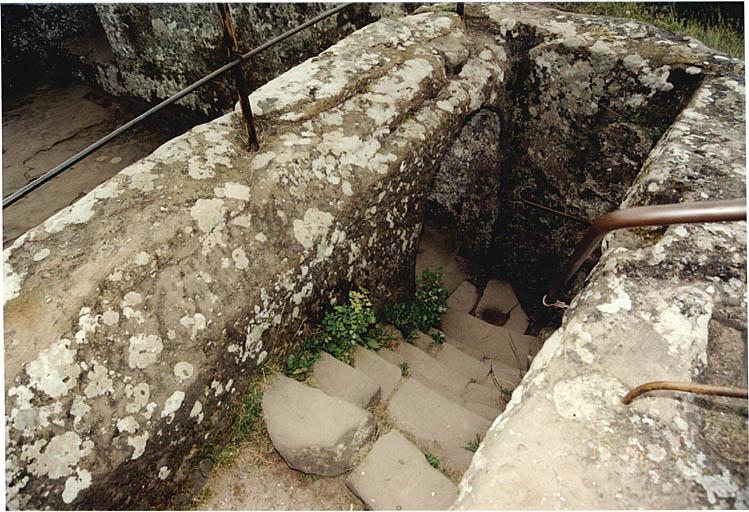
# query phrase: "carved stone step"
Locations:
[[395, 475], [338, 379]]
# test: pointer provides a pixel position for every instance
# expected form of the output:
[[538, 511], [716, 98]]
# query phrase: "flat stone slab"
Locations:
[[495, 342], [482, 394], [395, 475], [505, 374], [383, 372], [438, 423], [336, 378], [423, 341], [390, 356], [499, 295], [421, 364], [462, 363], [464, 298], [314, 432], [486, 411]]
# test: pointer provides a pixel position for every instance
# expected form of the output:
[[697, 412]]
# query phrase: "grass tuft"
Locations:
[[719, 34]]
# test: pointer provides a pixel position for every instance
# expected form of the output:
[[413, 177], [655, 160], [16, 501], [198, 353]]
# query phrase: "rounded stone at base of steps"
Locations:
[[395, 475], [314, 432]]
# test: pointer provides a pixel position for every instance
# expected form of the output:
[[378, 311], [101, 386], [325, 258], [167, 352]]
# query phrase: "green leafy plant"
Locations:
[[423, 311], [439, 338], [507, 394], [405, 370], [432, 460], [742, 410], [473, 445], [341, 330]]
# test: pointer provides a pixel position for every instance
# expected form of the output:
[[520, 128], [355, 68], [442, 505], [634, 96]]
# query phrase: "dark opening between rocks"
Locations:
[[570, 132]]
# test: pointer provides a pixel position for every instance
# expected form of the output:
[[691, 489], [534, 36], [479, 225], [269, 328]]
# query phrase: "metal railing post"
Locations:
[[232, 48]]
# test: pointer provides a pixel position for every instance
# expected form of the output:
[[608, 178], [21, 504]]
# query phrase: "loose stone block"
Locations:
[[396, 476], [421, 364], [314, 432], [462, 363], [464, 298]]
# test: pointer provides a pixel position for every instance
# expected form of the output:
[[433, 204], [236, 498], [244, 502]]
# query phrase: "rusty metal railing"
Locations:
[[685, 387], [660, 215]]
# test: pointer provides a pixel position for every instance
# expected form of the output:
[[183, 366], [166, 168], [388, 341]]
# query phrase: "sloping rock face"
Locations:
[[160, 48], [135, 316]]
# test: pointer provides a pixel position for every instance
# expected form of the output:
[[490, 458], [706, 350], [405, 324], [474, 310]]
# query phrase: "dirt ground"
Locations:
[[51, 124], [259, 479]]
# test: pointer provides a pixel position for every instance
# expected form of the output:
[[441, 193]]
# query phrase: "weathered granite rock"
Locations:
[[313, 431]]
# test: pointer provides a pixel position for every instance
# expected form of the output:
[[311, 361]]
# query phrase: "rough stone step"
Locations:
[[450, 356], [383, 372], [464, 298], [482, 394], [437, 250], [499, 295], [313, 431], [437, 423], [421, 364], [395, 475], [486, 411], [495, 342], [339, 379], [390, 356], [507, 375], [423, 341], [475, 353]]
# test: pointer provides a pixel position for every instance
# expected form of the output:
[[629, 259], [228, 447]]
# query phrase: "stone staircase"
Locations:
[[421, 398]]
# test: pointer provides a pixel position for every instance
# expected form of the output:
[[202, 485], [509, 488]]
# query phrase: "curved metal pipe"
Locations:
[[687, 387], [660, 215]]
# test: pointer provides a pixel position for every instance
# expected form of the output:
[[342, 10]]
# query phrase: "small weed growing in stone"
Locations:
[[423, 311], [405, 371], [742, 410], [506, 394], [438, 338], [473, 445], [341, 330], [432, 460]]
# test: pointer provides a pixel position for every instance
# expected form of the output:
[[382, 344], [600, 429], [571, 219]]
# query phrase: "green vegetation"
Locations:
[[340, 332], [248, 414], [432, 460], [742, 410], [473, 445], [405, 371], [506, 394], [719, 35], [438, 337], [423, 310]]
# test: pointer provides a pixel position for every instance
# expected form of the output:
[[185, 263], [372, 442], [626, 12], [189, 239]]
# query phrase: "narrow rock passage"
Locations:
[[432, 405]]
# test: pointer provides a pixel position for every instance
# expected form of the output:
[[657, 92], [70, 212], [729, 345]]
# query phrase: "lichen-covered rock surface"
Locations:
[[135, 317], [655, 302]]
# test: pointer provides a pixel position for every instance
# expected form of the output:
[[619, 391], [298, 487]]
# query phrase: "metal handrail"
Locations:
[[686, 387], [41, 180], [660, 215]]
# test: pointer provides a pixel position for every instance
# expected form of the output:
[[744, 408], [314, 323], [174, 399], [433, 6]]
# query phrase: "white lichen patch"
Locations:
[[60, 456], [40, 254], [127, 424], [110, 317], [164, 472], [591, 398], [183, 370], [236, 191], [131, 299], [197, 323], [139, 444], [173, 403], [197, 411], [74, 485], [98, 382], [144, 350], [142, 258], [240, 259], [54, 371], [315, 225]]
